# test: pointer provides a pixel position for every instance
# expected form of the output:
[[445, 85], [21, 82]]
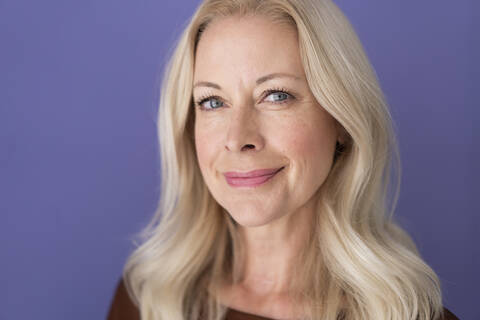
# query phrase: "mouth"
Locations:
[[251, 178]]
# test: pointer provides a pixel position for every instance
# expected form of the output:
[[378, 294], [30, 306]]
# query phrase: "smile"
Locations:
[[250, 179]]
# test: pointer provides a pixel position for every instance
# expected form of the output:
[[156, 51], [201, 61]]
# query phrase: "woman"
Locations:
[[276, 147]]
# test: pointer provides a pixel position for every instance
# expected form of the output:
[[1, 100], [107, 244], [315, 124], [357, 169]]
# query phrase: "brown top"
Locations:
[[122, 308]]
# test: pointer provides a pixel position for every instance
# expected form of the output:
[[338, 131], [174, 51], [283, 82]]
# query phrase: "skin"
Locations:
[[249, 130]]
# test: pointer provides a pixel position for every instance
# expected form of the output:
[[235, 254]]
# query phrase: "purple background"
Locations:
[[79, 171]]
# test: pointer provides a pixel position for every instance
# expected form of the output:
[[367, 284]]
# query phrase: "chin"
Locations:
[[248, 216]]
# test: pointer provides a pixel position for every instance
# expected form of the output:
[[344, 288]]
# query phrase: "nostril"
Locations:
[[248, 146]]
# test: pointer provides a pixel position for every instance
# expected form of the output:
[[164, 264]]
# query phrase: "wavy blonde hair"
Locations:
[[358, 264]]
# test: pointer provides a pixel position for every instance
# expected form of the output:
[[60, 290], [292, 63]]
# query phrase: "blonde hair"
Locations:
[[359, 263]]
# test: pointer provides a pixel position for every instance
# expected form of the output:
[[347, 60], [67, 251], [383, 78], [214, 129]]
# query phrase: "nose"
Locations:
[[243, 132]]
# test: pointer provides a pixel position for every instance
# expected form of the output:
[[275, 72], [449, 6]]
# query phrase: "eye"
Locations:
[[275, 95], [278, 96], [209, 103]]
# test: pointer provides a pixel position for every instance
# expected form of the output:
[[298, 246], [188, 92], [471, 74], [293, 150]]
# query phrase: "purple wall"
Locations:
[[79, 168]]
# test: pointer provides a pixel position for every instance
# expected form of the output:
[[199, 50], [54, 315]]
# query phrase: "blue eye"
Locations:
[[212, 103], [279, 96]]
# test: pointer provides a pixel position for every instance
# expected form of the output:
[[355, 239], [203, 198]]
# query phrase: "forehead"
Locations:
[[246, 48]]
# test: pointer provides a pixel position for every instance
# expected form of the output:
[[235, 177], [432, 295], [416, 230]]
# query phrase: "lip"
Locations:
[[251, 178]]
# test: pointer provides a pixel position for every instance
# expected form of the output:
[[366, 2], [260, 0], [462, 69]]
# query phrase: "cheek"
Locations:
[[206, 144], [309, 145], [202, 148]]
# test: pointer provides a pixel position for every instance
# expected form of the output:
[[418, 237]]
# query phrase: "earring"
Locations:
[[339, 148]]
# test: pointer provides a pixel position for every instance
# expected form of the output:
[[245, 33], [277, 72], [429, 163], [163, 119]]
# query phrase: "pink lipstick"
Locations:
[[250, 179]]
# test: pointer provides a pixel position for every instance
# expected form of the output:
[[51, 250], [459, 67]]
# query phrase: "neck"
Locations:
[[272, 251]]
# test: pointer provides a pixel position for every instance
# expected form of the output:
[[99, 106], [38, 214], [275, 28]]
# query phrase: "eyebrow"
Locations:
[[258, 82]]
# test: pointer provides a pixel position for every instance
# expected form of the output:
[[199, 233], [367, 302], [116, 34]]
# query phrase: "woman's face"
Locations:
[[258, 113]]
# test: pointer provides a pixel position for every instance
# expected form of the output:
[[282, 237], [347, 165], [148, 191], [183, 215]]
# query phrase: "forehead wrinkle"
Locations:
[[248, 74]]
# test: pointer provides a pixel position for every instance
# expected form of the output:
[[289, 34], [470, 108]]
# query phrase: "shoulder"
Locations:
[[448, 315], [122, 307]]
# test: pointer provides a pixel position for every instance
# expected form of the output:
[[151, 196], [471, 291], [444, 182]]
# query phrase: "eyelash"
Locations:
[[265, 94]]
